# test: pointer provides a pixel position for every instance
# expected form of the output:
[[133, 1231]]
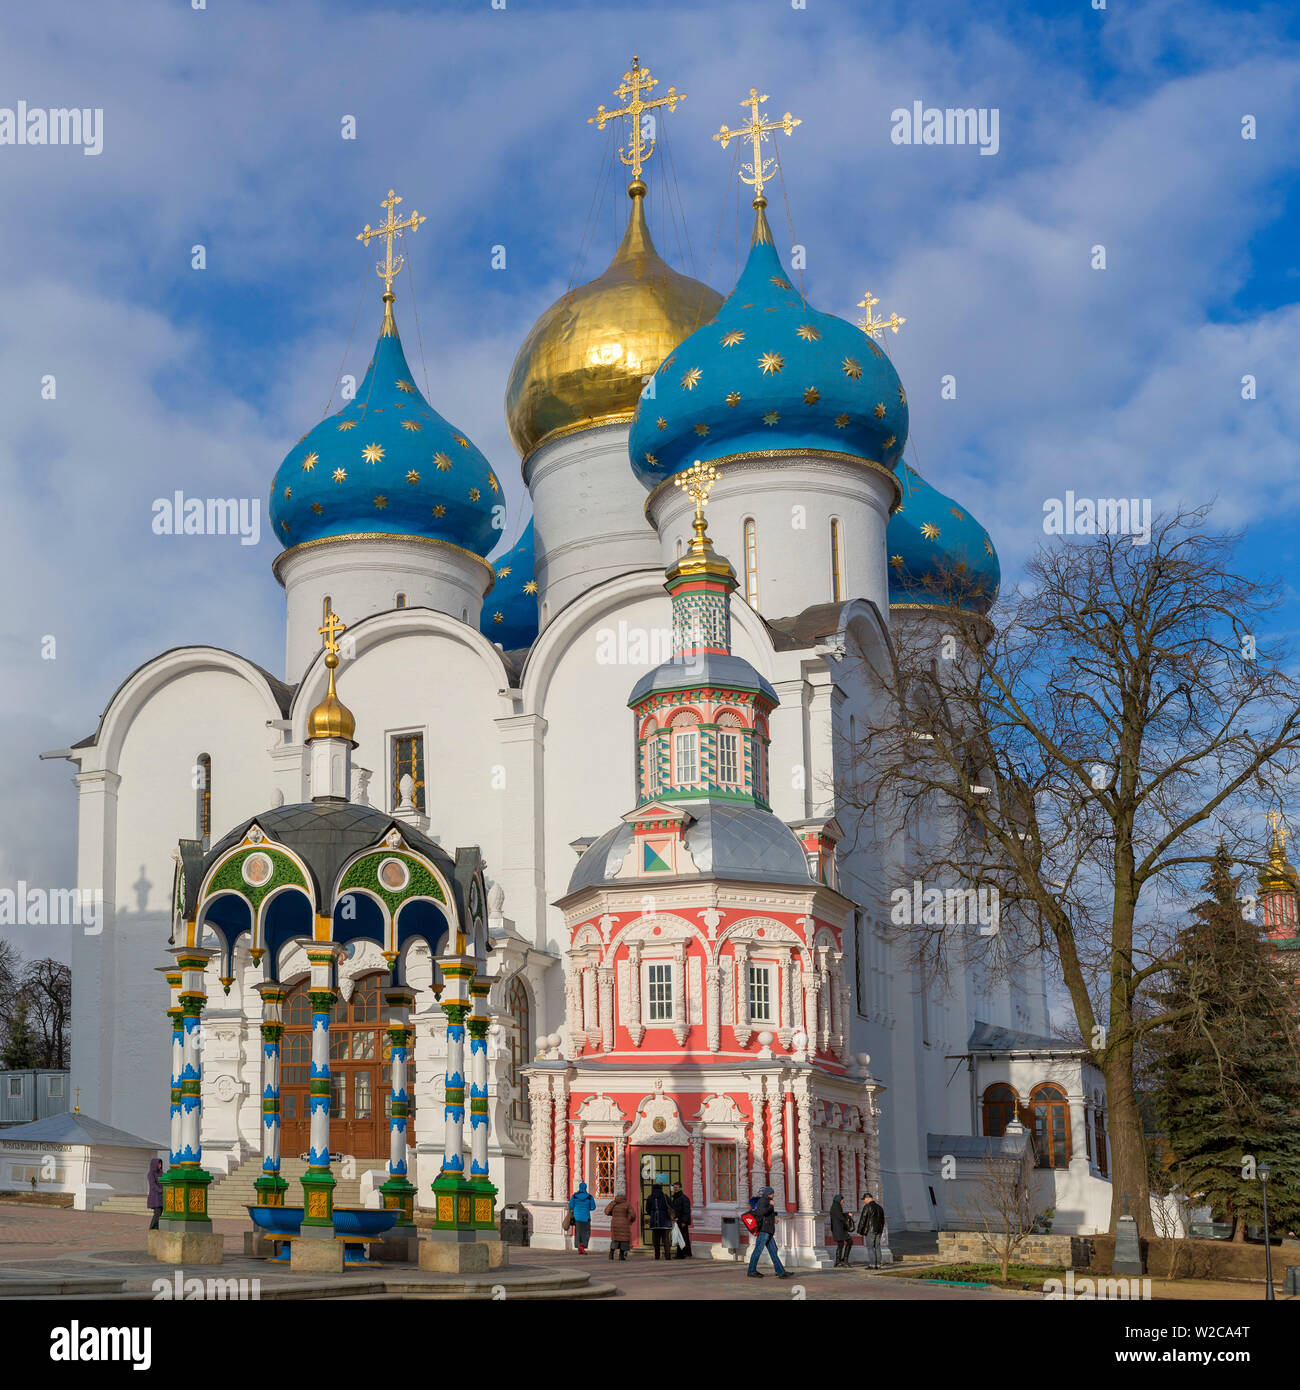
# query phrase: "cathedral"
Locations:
[[579, 799]]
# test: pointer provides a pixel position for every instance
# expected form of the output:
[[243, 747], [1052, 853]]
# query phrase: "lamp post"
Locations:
[[1263, 1171]]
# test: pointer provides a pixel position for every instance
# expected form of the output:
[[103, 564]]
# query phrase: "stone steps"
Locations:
[[232, 1195]]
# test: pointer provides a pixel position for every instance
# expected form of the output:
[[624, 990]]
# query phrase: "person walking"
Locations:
[[660, 1216], [681, 1205], [765, 1237], [620, 1215], [841, 1232], [582, 1204], [155, 1193], [871, 1223]]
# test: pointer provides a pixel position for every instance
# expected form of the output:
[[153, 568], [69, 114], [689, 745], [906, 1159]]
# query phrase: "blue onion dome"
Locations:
[[939, 555], [510, 611], [769, 373], [387, 464]]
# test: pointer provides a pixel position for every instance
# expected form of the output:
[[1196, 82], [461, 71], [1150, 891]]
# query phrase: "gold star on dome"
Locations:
[[288, 493], [771, 363], [412, 477], [381, 501], [771, 418], [411, 425], [954, 512], [911, 472], [492, 482], [661, 423], [530, 587], [879, 411], [808, 332], [929, 530], [701, 429], [811, 396], [841, 421], [733, 398], [498, 617], [781, 282], [651, 460], [890, 442], [462, 441], [405, 386], [851, 368], [440, 510], [441, 461], [340, 475], [347, 424], [503, 572], [691, 377], [372, 453], [284, 525], [902, 396], [896, 561], [988, 546], [732, 338], [309, 462], [473, 494], [317, 508]]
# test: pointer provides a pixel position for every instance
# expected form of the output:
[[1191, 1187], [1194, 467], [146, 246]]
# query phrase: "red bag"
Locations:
[[749, 1221]]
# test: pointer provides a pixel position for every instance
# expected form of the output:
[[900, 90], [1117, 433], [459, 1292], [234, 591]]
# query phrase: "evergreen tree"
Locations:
[[21, 1049], [1225, 1074]]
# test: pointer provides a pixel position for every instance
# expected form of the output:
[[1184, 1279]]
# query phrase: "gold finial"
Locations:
[[756, 131], [1277, 872], [390, 266], [76, 1109], [873, 326], [697, 482], [635, 83], [331, 718]]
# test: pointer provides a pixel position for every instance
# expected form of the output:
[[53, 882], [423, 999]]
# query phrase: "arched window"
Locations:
[[1051, 1113], [400, 601], [521, 1043], [730, 764], [326, 608], [680, 547], [685, 749], [203, 793], [1000, 1104], [1103, 1158], [751, 564], [837, 562]]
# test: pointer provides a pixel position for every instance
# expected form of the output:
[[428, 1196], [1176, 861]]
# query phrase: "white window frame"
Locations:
[[771, 980], [14, 1090], [729, 751], [54, 1087], [749, 546], [687, 740], [648, 1017], [391, 736]]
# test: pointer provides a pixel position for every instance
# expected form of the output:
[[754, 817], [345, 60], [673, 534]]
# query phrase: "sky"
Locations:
[[1119, 127]]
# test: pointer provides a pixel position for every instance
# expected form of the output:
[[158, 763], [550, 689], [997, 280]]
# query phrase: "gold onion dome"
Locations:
[[1278, 873], [587, 357]]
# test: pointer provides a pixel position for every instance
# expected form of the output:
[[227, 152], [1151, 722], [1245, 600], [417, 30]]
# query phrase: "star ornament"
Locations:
[[929, 530], [732, 338], [691, 377], [770, 363], [503, 572], [340, 475], [441, 462], [808, 332], [411, 425], [473, 494], [811, 396], [851, 368], [372, 453], [530, 587], [412, 477], [347, 424], [381, 501], [310, 462], [440, 510], [404, 386]]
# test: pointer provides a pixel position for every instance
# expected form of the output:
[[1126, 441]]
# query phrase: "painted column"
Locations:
[[318, 1180], [573, 1005], [697, 1172], [177, 1018], [271, 1187], [590, 1011], [454, 1190], [485, 1193], [620, 1165], [398, 1190], [786, 1019], [185, 1195], [791, 1153], [810, 1007]]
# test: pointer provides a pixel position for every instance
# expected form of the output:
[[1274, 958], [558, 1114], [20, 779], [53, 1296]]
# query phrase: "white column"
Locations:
[[605, 983], [805, 1195], [787, 1021], [697, 1171], [590, 1010], [635, 1027], [740, 953], [539, 1096], [810, 1006], [560, 1161], [776, 1108], [758, 1168], [679, 993], [713, 1003]]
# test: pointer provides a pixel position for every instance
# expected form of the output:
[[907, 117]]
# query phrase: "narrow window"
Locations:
[[760, 994], [659, 994], [685, 756], [408, 761], [679, 547], [722, 1171], [751, 564], [837, 563], [728, 758], [401, 601], [203, 791], [520, 1050], [326, 608], [1000, 1105], [602, 1169]]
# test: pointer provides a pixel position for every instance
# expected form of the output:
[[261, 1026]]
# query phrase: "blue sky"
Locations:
[[1119, 127]]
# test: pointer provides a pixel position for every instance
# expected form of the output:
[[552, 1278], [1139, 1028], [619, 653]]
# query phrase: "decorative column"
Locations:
[[785, 1022], [757, 1168], [454, 1210], [807, 1197], [177, 1017], [1079, 1161], [399, 1191], [823, 1000], [539, 1104], [605, 983], [620, 1165], [697, 1172], [318, 1180], [573, 1005], [271, 1187], [590, 1014], [560, 1156], [793, 1188], [679, 994], [740, 953], [776, 1172], [485, 1193], [713, 1014], [635, 1027]]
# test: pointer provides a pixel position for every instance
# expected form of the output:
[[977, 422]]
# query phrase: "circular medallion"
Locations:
[[226, 1088], [257, 870], [394, 875], [659, 1124]]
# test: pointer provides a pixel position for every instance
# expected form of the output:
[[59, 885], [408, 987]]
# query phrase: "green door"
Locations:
[[663, 1166]]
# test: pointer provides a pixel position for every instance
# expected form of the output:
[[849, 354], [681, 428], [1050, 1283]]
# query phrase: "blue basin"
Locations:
[[278, 1221], [364, 1221]]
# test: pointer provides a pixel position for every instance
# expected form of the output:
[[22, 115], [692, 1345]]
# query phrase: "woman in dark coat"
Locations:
[[155, 1195], [620, 1215], [661, 1221], [841, 1232]]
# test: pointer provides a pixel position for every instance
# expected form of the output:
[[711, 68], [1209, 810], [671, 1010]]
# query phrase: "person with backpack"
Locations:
[[764, 1212], [871, 1223], [620, 1216], [581, 1205], [660, 1216], [841, 1232], [681, 1205]]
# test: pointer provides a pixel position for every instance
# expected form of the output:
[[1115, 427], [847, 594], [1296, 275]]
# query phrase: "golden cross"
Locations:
[[757, 131], [635, 83], [1279, 830], [872, 326], [388, 268], [330, 630], [697, 482]]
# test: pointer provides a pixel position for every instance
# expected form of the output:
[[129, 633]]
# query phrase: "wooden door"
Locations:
[[663, 1166]]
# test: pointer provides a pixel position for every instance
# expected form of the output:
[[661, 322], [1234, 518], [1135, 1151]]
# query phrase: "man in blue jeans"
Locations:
[[765, 1237]]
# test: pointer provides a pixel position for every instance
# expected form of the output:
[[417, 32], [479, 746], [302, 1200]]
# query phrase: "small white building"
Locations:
[[78, 1154]]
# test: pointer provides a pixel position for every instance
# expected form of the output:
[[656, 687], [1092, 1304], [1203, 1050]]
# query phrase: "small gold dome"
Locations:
[[332, 718], [585, 361]]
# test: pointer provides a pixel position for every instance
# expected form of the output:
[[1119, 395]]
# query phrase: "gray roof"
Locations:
[[726, 840], [990, 1037], [713, 668], [975, 1145], [71, 1128]]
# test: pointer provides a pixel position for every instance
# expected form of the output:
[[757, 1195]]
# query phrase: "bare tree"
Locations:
[[1000, 1204], [47, 988], [1081, 752]]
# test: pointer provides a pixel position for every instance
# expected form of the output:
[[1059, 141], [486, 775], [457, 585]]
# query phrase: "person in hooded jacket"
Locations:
[[660, 1216], [155, 1197], [620, 1215], [764, 1209], [841, 1232], [582, 1204]]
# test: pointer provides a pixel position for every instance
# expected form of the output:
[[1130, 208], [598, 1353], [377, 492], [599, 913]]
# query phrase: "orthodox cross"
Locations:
[[873, 326], [388, 268], [697, 482], [635, 84], [330, 630], [1279, 830], [756, 131]]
